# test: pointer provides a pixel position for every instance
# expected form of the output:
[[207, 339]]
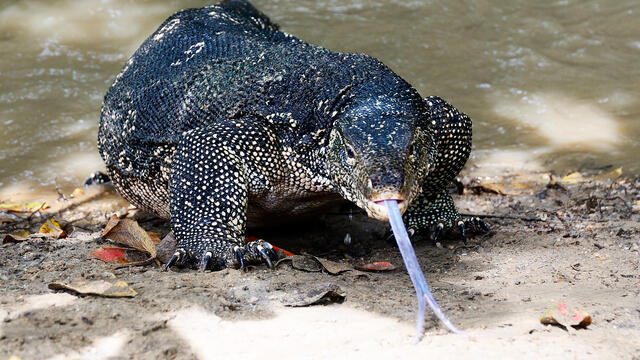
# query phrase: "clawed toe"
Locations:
[[483, 225], [267, 254], [239, 256], [204, 263], [176, 258], [436, 232], [463, 231]]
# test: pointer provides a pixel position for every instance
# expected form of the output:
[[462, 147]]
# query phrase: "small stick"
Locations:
[[496, 216]]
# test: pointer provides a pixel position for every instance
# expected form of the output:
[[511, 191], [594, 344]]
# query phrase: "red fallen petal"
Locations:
[[275, 248], [577, 315], [111, 254], [377, 266], [562, 308]]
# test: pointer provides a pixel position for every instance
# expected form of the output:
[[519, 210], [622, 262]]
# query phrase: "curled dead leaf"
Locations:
[[332, 267], [320, 295], [16, 237], [128, 232], [306, 263]]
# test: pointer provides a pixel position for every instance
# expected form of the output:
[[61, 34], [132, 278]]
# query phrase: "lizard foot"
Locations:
[[97, 178], [218, 255], [459, 228]]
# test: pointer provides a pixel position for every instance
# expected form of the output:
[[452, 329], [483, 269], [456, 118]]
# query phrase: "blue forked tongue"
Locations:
[[413, 268]]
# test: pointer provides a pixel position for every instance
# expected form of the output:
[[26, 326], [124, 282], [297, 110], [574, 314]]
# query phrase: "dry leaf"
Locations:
[[332, 267], [128, 232], [98, 287], [16, 237], [52, 229], [26, 207], [166, 248], [306, 263], [113, 221], [572, 179], [155, 237], [321, 295]]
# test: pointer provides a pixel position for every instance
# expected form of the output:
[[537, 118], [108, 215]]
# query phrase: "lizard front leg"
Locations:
[[209, 189], [435, 214]]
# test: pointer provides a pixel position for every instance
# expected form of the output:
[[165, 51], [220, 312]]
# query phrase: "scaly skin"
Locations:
[[219, 119]]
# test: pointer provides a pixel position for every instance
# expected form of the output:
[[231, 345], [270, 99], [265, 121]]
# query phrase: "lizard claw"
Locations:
[[480, 223], [437, 232], [267, 253], [239, 256], [413, 235], [205, 261], [177, 256], [463, 232]]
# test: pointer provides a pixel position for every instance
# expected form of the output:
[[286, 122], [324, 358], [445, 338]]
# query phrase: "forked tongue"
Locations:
[[413, 268]]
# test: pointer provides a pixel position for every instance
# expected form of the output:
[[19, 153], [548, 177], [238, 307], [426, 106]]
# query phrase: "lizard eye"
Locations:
[[350, 153]]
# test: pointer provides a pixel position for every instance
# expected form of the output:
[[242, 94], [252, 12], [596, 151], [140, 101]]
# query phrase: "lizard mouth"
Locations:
[[376, 208]]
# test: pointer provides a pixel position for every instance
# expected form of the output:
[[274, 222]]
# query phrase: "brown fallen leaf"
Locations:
[[563, 316], [166, 248], [155, 237], [97, 287], [320, 295], [305, 263], [128, 232], [332, 267], [16, 237], [113, 221]]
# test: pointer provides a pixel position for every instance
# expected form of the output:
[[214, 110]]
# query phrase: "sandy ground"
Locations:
[[578, 244]]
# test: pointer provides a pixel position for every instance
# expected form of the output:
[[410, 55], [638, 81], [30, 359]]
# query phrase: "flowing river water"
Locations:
[[550, 85]]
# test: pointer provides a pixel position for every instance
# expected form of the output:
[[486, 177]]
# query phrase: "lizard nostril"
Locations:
[[385, 180]]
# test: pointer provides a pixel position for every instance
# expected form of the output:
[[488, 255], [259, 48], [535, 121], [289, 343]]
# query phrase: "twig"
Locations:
[[44, 203], [496, 216]]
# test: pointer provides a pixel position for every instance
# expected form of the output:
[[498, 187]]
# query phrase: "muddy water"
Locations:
[[550, 84]]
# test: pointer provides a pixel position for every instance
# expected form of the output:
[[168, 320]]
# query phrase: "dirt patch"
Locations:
[[578, 244]]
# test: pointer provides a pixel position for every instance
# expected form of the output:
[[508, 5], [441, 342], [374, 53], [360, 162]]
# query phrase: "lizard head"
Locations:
[[380, 148]]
